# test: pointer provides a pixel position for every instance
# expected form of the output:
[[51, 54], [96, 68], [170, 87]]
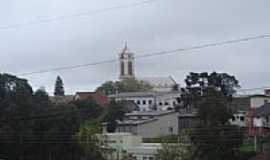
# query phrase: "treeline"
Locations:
[[34, 128]]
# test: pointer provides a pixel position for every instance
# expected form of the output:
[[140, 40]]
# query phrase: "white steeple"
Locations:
[[126, 60]]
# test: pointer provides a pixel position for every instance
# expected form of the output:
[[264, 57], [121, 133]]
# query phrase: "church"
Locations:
[[127, 70], [163, 96]]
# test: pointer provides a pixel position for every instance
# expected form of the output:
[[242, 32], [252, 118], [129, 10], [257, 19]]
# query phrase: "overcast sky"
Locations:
[[157, 26]]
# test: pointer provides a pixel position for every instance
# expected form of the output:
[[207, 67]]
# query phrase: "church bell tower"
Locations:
[[126, 59]]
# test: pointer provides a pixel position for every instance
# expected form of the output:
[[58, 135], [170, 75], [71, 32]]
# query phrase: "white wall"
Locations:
[[237, 119], [160, 127], [143, 107], [170, 99], [258, 122], [257, 102], [160, 101], [125, 143]]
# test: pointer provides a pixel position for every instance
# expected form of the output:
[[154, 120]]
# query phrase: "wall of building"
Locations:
[[258, 122], [147, 151], [144, 103], [125, 144], [164, 126], [162, 102], [127, 129], [257, 102], [187, 122], [167, 101], [262, 121]]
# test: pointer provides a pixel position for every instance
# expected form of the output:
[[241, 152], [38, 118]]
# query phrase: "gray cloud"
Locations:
[[163, 25]]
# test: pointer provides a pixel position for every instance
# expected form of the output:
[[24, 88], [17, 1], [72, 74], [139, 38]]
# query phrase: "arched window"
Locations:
[[122, 69], [130, 68]]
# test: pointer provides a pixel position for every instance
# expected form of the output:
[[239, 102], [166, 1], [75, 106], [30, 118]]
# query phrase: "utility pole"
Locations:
[[255, 143]]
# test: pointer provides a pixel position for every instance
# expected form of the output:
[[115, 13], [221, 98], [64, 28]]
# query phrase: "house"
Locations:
[[240, 106], [256, 102], [97, 96], [120, 145], [148, 101], [243, 108], [261, 120], [151, 124]]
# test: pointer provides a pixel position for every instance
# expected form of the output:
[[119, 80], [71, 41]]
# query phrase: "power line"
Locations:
[[81, 14], [253, 89], [222, 43], [162, 53], [69, 67]]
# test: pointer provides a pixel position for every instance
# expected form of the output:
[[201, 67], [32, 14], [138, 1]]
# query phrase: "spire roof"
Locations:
[[125, 49]]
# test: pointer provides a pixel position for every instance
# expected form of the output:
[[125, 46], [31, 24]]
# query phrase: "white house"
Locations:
[[148, 101], [262, 116]]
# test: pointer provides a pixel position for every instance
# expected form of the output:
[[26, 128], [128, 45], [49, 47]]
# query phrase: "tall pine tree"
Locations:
[[59, 87]]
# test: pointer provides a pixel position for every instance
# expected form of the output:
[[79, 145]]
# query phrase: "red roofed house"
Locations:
[[99, 97]]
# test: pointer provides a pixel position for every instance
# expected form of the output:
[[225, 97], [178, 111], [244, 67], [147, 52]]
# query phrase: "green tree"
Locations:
[[214, 138], [169, 152], [88, 140], [198, 84], [211, 94], [222, 82], [108, 88], [216, 142], [125, 85], [213, 109], [32, 128], [89, 109], [115, 112], [59, 87]]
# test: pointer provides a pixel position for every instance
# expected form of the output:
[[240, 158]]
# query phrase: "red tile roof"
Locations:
[[99, 97]]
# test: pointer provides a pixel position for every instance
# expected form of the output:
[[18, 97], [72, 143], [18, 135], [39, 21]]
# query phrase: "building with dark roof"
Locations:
[[152, 124]]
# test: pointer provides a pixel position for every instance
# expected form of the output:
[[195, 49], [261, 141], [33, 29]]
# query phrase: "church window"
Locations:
[[242, 118], [144, 102], [150, 102], [138, 102], [122, 68], [171, 130], [130, 68]]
